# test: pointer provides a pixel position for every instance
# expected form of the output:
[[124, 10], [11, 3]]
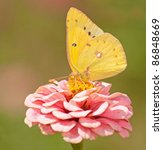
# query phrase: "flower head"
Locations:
[[79, 113]]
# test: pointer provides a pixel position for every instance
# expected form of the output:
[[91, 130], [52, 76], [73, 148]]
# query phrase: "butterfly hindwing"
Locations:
[[102, 57]]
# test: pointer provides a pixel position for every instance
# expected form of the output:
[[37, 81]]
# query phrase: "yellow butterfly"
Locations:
[[90, 50]]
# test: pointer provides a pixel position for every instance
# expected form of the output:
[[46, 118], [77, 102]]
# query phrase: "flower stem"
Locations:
[[78, 146]]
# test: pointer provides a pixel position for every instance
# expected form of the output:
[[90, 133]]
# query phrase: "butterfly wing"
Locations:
[[102, 57], [80, 30]]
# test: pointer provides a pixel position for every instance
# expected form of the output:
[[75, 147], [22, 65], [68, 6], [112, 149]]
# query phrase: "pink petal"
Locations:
[[33, 115], [61, 115], [72, 136], [104, 88], [29, 101], [86, 133], [125, 124], [113, 124], [71, 107], [46, 129], [47, 110], [79, 99], [46, 89], [63, 126], [118, 112], [89, 123], [81, 94], [103, 130], [46, 104], [96, 97], [63, 84], [53, 97], [124, 133], [46, 119], [27, 122], [79, 114], [101, 108], [122, 99]]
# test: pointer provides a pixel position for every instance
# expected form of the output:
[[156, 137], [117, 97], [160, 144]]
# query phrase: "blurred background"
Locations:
[[33, 50]]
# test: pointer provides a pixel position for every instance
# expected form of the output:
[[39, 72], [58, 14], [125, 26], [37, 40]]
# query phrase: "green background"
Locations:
[[33, 50]]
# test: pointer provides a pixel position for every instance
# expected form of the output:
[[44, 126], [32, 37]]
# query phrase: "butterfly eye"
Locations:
[[84, 28], [74, 44]]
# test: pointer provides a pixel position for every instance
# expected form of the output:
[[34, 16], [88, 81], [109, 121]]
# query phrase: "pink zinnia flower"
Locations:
[[79, 114]]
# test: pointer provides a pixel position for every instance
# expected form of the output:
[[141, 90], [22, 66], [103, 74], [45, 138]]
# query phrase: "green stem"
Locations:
[[78, 146]]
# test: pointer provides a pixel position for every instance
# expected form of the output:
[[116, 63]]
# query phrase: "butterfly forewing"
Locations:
[[80, 29]]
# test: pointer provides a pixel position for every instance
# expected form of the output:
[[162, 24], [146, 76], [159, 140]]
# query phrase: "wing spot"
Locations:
[[88, 44], [98, 54], [89, 33], [76, 20], [74, 44], [84, 28]]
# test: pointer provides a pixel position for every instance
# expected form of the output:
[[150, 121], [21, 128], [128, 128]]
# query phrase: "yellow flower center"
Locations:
[[78, 83]]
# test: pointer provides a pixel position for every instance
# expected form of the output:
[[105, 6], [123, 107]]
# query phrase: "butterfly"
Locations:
[[90, 50]]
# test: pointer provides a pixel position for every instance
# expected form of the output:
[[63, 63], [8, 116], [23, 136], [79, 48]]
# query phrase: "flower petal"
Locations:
[[46, 129], [63, 126], [79, 114], [46, 89], [103, 130], [122, 99], [124, 133], [96, 97], [79, 99], [61, 115], [104, 88], [113, 124], [33, 115], [125, 124], [89, 123], [47, 110], [30, 101], [47, 104], [72, 136], [86, 133], [27, 122], [71, 107], [117, 112], [102, 107]]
